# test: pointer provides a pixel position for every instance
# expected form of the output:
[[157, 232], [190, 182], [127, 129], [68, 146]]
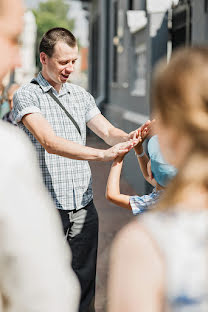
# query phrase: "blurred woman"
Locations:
[[160, 261]]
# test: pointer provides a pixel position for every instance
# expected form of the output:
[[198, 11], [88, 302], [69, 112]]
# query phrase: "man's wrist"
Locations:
[[100, 155], [126, 137]]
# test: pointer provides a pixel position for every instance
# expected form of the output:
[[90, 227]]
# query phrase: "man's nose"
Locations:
[[70, 68]]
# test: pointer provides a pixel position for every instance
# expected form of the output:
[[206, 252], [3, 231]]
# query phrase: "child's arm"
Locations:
[[113, 185], [143, 161]]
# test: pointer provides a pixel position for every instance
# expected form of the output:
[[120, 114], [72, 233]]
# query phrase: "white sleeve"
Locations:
[[25, 102], [35, 261], [91, 108]]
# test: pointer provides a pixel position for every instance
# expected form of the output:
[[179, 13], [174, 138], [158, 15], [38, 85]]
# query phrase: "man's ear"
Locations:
[[43, 58]]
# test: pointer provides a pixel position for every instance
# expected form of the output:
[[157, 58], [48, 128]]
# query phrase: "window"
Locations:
[[139, 84], [115, 58], [130, 5], [206, 6]]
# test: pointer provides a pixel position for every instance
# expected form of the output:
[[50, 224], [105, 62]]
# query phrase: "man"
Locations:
[[61, 148], [35, 274]]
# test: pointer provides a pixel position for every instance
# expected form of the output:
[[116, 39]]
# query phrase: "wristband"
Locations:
[[140, 155]]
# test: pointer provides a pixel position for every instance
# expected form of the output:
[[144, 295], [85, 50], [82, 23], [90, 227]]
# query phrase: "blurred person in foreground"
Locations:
[[159, 262], [35, 274], [10, 92], [55, 114]]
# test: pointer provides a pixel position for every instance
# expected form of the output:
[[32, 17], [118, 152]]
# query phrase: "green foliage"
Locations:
[[49, 14]]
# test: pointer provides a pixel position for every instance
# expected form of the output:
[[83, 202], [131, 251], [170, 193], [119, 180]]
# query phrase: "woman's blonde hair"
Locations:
[[180, 98]]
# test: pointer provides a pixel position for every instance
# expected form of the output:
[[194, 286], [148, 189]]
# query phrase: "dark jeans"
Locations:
[[81, 230]]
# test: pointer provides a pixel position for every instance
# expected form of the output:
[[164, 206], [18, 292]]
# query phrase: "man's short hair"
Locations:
[[52, 36]]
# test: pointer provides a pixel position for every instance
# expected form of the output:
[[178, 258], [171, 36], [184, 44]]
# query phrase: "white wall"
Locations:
[[27, 71], [154, 6]]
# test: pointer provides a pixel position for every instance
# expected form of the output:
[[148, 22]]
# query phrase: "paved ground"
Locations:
[[111, 218]]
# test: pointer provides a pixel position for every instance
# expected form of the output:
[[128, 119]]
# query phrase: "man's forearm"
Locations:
[[73, 150], [116, 135], [53, 144], [69, 149]]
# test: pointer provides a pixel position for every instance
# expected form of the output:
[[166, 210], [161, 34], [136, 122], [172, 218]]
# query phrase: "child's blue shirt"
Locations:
[[141, 203]]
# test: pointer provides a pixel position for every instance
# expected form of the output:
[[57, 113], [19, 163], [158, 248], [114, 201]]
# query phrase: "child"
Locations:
[[155, 170]]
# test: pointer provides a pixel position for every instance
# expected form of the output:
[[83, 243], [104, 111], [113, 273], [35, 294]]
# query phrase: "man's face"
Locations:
[[11, 24], [61, 64]]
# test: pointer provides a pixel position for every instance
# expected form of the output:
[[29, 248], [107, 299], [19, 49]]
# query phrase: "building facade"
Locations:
[[127, 38]]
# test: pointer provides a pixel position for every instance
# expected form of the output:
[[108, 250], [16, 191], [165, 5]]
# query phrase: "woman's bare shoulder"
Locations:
[[133, 233], [136, 263]]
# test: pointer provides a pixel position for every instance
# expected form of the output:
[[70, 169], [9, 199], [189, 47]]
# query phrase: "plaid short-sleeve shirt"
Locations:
[[68, 180], [143, 203]]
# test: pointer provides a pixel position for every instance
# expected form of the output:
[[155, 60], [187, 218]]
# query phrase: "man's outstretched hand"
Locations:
[[120, 149], [142, 132], [135, 138]]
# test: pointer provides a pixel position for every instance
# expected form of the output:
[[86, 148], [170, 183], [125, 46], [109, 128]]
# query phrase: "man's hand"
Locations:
[[141, 134], [119, 150], [142, 131]]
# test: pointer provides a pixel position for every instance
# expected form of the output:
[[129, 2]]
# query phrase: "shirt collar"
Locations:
[[156, 192], [46, 86], [65, 88]]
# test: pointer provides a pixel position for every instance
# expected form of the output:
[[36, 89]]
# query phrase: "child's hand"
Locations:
[[142, 134], [122, 153], [119, 159], [142, 131]]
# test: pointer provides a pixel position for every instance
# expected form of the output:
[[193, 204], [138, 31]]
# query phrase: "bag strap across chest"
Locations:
[[50, 92]]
